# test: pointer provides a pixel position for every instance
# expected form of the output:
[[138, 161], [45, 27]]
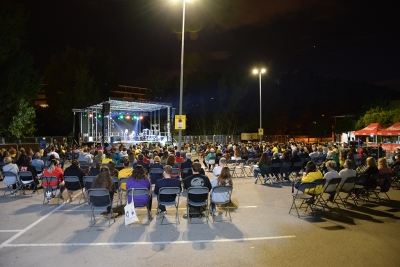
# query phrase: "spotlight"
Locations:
[[84, 114], [141, 117], [90, 115], [135, 117], [127, 117], [99, 116], [121, 117]]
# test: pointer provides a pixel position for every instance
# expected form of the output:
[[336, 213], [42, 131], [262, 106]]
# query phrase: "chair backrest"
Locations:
[[156, 170], [72, 182], [231, 161], [304, 186], [49, 179], [286, 167], [121, 181], [99, 197], [175, 171], [348, 184], [276, 167], [169, 190], [137, 192], [196, 191], [332, 184], [39, 168], [211, 160], [222, 189], [87, 181], [297, 166], [362, 178], [116, 183], [25, 177], [241, 161]]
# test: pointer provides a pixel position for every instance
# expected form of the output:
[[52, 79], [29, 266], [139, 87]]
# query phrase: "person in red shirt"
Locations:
[[54, 170]]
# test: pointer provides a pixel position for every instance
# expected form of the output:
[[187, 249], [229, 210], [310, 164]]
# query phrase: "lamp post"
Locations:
[[181, 78], [259, 72]]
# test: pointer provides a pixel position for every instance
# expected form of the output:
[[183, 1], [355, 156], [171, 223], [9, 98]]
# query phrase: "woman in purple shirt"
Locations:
[[139, 179]]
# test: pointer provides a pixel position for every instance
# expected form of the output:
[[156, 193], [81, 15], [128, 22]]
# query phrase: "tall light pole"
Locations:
[[259, 72], [181, 78]]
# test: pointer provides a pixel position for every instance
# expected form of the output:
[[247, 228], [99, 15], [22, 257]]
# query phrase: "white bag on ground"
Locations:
[[130, 213]]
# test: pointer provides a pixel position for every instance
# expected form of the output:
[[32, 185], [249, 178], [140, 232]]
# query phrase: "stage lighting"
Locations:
[[127, 117], [84, 115], [90, 115], [99, 116], [141, 117], [121, 117], [134, 117]]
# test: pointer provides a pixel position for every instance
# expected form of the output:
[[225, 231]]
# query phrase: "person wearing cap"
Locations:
[[210, 155]]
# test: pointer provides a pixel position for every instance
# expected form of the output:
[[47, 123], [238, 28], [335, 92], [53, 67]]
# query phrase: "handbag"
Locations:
[[130, 213]]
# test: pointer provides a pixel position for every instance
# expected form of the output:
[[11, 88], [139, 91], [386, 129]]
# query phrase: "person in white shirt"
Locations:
[[217, 170], [85, 156], [53, 152]]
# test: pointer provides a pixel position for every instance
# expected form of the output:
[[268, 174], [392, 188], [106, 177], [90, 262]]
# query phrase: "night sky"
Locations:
[[354, 40]]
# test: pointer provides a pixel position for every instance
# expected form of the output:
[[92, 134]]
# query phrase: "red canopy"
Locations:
[[372, 129], [392, 130]]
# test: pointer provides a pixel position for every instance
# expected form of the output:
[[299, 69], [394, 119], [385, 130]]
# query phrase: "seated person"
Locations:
[[75, 170], [54, 170], [197, 180], [139, 179], [330, 174], [104, 180], [166, 182], [28, 167], [224, 179], [263, 167], [311, 175], [95, 171], [10, 167], [190, 172], [217, 170], [156, 165], [107, 159], [125, 172]]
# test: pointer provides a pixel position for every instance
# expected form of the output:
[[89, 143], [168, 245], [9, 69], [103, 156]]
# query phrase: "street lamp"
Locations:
[[181, 79], [259, 72]]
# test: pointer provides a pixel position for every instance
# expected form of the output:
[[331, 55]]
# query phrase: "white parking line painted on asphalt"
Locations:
[[5, 243], [10, 231], [151, 243]]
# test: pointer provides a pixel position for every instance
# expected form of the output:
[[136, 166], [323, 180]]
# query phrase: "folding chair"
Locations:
[[84, 165], [227, 190], [39, 170], [99, 199], [155, 174], [395, 179], [121, 191], [384, 187], [249, 166], [330, 187], [347, 187], [48, 180], [296, 168], [317, 196], [211, 161], [87, 183], [175, 173], [73, 184], [240, 165], [196, 191], [374, 190], [302, 196], [9, 179], [27, 179], [140, 192], [169, 191], [116, 188], [185, 172], [275, 170], [286, 169], [231, 165]]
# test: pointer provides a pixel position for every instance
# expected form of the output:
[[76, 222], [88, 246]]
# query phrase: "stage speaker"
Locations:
[[106, 108]]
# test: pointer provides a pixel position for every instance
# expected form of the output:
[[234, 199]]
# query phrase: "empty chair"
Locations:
[[135, 192], [99, 199], [240, 167], [226, 191], [168, 192], [248, 167], [302, 196], [26, 178], [231, 165], [196, 191], [275, 169], [72, 184]]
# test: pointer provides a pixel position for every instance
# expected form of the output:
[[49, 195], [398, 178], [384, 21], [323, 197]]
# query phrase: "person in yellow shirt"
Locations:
[[107, 159], [126, 172], [275, 148], [311, 175]]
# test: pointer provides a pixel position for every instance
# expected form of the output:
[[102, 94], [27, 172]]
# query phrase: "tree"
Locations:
[[75, 79], [382, 115], [344, 125], [19, 82]]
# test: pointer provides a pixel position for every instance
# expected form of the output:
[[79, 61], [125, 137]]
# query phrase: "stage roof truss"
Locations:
[[121, 105]]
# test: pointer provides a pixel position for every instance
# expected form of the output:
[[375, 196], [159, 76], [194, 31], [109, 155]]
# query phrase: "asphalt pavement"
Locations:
[[262, 233]]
